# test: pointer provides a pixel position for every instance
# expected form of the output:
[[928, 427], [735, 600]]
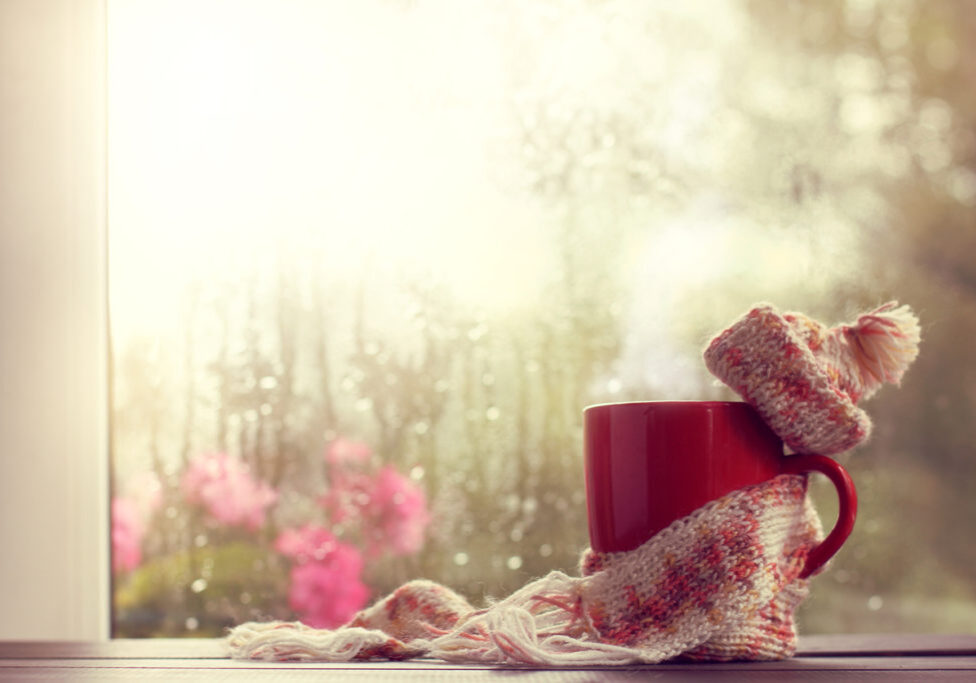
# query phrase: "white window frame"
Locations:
[[54, 521]]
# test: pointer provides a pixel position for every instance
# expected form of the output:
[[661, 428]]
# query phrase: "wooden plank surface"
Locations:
[[853, 658], [205, 648]]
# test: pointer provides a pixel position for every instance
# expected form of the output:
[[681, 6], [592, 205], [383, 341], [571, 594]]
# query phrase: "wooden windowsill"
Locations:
[[842, 657]]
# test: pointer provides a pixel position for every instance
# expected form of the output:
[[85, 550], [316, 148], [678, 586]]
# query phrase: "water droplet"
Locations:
[[172, 512], [200, 540], [268, 382], [441, 385], [417, 473], [493, 413], [514, 562], [529, 505], [421, 427], [875, 602], [192, 624], [461, 559], [245, 598], [364, 404], [614, 386], [198, 586], [371, 348], [516, 535], [532, 366], [477, 332], [545, 550], [266, 409]]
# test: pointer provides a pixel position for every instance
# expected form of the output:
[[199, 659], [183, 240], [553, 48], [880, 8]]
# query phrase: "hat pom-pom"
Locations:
[[884, 343]]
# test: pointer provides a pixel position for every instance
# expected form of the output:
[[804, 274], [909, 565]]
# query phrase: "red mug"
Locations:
[[651, 463]]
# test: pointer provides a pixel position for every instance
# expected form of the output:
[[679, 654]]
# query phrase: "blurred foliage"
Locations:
[[201, 591]]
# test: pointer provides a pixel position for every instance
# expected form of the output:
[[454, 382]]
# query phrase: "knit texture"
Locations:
[[720, 584], [805, 379]]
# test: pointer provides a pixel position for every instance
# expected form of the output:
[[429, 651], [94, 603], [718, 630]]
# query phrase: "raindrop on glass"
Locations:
[[514, 562]]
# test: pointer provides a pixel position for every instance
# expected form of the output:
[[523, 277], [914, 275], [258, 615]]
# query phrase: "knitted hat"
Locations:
[[805, 379]]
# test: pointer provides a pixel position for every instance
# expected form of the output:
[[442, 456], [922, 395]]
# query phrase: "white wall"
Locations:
[[53, 415]]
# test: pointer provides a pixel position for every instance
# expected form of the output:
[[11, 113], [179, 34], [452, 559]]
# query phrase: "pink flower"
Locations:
[[127, 533], [343, 452], [327, 592], [390, 509], [308, 543], [224, 486], [397, 514], [348, 495]]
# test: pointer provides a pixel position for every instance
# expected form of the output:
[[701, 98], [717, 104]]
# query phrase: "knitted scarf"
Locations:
[[720, 584]]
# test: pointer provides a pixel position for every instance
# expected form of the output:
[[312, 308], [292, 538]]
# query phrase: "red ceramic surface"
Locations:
[[650, 463]]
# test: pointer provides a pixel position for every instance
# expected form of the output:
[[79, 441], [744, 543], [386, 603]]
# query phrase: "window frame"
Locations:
[[54, 362]]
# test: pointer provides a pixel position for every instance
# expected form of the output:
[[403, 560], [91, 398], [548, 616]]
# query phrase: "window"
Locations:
[[368, 261]]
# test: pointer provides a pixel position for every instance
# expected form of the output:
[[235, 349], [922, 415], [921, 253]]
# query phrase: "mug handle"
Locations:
[[846, 494]]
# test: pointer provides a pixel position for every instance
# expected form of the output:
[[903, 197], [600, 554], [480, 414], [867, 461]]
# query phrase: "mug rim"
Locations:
[[683, 402]]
